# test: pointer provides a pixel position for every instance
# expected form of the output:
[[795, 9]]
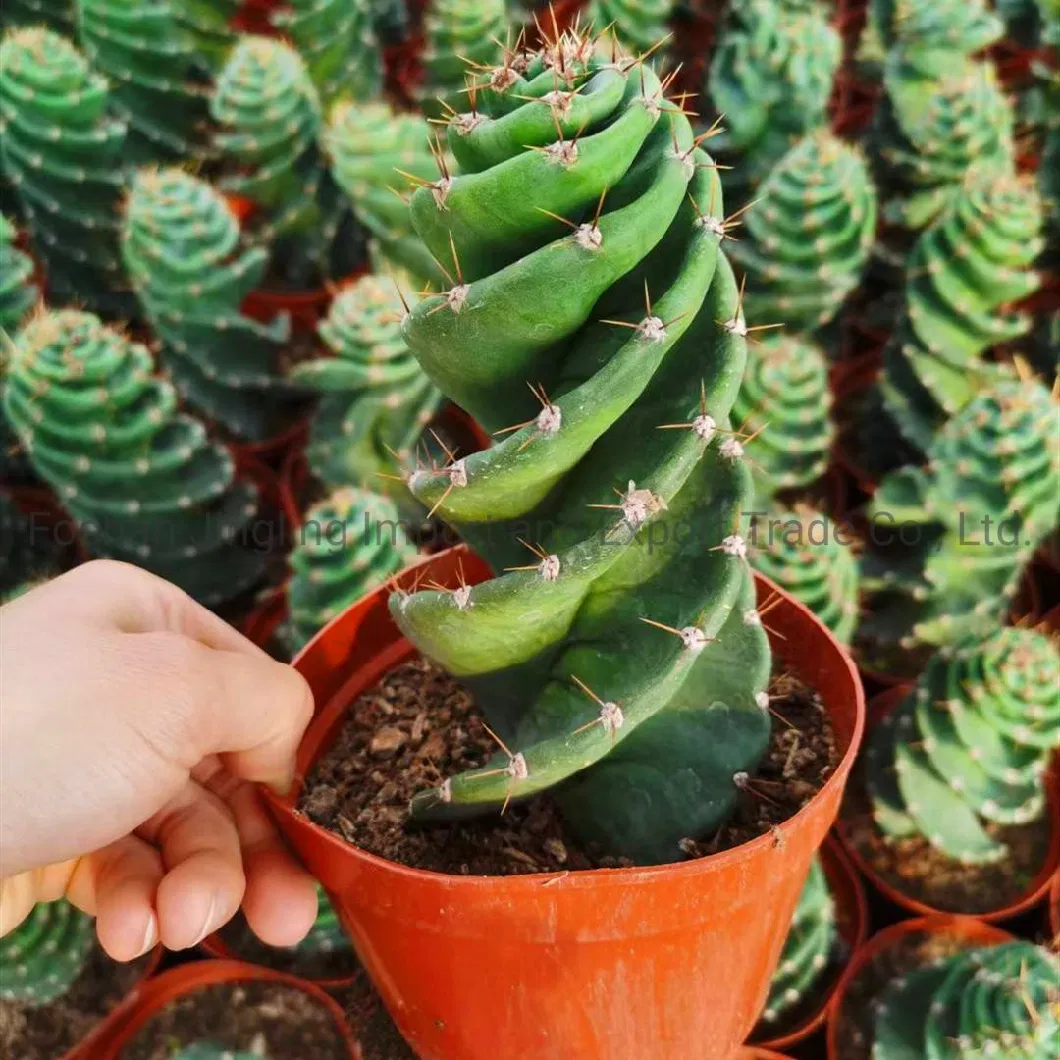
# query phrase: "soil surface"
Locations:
[[265, 1019], [246, 946], [419, 726], [47, 1033]]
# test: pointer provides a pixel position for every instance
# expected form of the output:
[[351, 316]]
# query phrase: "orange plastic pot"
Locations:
[[750, 1052], [1054, 910], [216, 947], [668, 962], [967, 930], [852, 919], [190, 978], [879, 707]]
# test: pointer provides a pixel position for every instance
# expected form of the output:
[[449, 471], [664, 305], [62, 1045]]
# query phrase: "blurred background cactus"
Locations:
[[42, 958], [55, 14], [637, 25], [391, 20], [18, 292], [27, 550], [206, 1051]]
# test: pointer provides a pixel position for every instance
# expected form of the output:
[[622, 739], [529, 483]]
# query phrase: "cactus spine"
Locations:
[[62, 149], [142, 480], [546, 326], [636, 25], [41, 959]]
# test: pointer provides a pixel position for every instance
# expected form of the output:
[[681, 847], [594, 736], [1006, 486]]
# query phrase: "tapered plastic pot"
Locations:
[[852, 920], [669, 962], [969, 932], [879, 707], [216, 947], [1054, 910], [191, 978]]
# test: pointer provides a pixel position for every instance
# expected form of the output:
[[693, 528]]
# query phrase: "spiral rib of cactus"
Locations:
[[54, 14], [337, 40], [374, 151], [951, 539], [770, 78], [375, 400], [349, 544], [17, 290], [964, 271], [62, 148], [808, 947], [211, 25], [182, 250], [969, 745], [142, 480], [808, 235], [929, 132], [594, 323], [42, 958], [157, 66], [810, 556], [637, 25]]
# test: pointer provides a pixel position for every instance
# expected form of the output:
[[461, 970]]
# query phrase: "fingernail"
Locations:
[[150, 937], [207, 924]]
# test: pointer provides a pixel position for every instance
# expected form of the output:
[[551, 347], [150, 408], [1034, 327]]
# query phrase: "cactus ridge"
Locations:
[[17, 290], [42, 958], [62, 149], [142, 480], [182, 249], [637, 25], [590, 304]]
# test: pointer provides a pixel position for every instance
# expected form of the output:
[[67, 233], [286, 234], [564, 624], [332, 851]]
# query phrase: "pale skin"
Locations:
[[134, 728]]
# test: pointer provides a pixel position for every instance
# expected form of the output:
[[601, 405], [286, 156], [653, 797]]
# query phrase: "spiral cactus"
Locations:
[[375, 399], [142, 480], [950, 540], [555, 241], [42, 958], [927, 37], [210, 23], [17, 291], [54, 14], [808, 235], [975, 260], [182, 250], [152, 58], [811, 557], [374, 150], [337, 40], [348, 545], [637, 25], [62, 148], [770, 80], [327, 934]]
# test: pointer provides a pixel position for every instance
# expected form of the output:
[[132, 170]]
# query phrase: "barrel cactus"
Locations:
[[637, 25], [964, 271], [590, 308], [152, 58], [375, 400], [55, 14], [142, 480], [181, 245], [42, 958], [950, 540], [63, 148], [969, 746], [17, 291], [808, 235]]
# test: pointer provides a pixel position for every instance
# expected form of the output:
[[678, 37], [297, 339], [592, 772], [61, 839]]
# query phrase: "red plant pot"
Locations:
[[275, 450], [190, 978], [852, 918], [1054, 911], [750, 1052], [669, 961], [216, 947], [879, 707], [966, 929], [261, 625]]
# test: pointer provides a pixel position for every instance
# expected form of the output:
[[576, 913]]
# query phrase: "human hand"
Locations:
[[133, 726]]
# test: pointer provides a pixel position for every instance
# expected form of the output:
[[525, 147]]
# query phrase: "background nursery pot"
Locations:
[[669, 962]]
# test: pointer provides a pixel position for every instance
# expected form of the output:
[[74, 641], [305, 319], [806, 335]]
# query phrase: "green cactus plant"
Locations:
[[208, 1051], [154, 60], [62, 148], [18, 294], [141, 479], [391, 20], [42, 958], [637, 25], [181, 246], [974, 261], [375, 401], [808, 235], [210, 23], [592, 307], [327, 934], [370, 147], [54, 14], [950, 540]]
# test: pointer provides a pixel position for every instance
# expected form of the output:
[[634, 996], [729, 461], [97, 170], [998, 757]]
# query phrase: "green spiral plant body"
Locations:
[[349, 544], [151, 56], [327, 934], [637, 25], [337, 40], [62, 148], [210, 23], [142, 480], [808, 236], [57, 15], [969, 745], [375, 401], [370, 147], [809, 555], [591, 307], [18, 294], [42, 958], [182, 249], [951, 539], [974, 261]]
